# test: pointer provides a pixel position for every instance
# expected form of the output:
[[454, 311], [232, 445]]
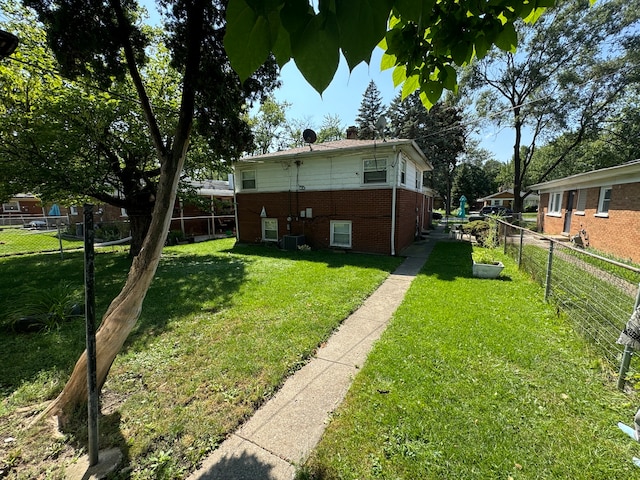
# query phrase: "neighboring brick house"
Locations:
[[505, 198], [359, 195], [606, 203]]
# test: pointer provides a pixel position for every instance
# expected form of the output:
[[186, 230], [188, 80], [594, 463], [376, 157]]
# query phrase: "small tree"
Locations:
[[369, 113]]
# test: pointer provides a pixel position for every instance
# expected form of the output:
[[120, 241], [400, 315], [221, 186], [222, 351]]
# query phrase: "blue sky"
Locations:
[[344, 95]]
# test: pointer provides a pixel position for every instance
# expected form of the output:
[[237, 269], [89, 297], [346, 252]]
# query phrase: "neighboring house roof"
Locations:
[[339, 146], [508, 193], [215, 188], [626, 173]]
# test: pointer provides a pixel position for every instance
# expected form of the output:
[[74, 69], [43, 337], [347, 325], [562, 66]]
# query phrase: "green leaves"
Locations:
[[425, 37]]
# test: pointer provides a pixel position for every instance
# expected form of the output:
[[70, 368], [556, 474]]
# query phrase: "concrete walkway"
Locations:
[[285, 430]]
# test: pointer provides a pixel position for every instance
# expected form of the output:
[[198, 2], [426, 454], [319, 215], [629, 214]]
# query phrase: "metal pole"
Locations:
[[547, 282], [628, 351], [60, 241], [504, 225], [520, 249], [90, 313]]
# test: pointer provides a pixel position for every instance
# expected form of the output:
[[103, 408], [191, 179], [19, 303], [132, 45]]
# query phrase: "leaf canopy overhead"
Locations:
[[423, 40]]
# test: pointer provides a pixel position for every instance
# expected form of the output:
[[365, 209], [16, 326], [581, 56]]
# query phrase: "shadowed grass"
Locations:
[[477, 379], [221, 328]]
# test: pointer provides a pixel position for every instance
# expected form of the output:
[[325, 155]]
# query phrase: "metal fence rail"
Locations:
[[598, 294]]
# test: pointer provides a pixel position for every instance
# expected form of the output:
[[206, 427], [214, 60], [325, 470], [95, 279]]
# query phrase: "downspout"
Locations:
[[393, 204], [235, 204]]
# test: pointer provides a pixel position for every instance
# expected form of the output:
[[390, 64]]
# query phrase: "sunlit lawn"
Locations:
[[478, 379]]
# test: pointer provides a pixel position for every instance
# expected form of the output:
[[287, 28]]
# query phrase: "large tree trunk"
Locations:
[[140, 223], [125, 309]]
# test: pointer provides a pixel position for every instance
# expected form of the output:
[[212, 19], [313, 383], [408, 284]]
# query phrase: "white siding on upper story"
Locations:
[[339, 172]]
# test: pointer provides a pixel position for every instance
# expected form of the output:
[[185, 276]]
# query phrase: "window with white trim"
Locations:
[[555, 203], [403, 172], [73, 210], [375, 171], [248, 179], [123, 212], [603, 202], [269, 229], [581, 204], [340, 233]]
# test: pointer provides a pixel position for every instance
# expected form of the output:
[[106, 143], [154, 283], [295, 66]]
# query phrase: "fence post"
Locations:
[[628, 351], [60, 240], [547, 282], [520, 247], [505, 226], [90, 314]]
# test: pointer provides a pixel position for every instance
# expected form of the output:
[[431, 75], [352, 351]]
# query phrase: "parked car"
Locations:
[[488, 210]]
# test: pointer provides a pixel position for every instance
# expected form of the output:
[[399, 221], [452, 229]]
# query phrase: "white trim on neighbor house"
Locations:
[[604, 201], [341, 235], [626, 173], [554, 208]]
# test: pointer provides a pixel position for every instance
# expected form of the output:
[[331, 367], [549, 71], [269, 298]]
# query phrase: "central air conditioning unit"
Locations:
[[292, 242]]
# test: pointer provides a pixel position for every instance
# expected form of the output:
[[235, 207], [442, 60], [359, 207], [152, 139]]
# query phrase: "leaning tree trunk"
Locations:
[[125, 309]]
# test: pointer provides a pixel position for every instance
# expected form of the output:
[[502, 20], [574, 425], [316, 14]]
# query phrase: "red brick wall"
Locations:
[[617, 234], [368, 210]]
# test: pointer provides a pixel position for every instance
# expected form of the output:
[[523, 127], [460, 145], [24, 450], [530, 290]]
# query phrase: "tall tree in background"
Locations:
[[477, 174], [369, 113], [70, 141], [566, 79], [439, 132], [269, 126], [103, 43], [331, 129]]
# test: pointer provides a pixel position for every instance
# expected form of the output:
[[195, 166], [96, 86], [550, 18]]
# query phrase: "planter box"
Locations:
[[487, 270]]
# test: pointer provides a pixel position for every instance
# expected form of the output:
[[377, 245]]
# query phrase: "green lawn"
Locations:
[[478, 379], [23, 240], [220, 330]]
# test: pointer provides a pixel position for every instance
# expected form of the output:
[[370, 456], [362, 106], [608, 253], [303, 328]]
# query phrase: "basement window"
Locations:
[[340, 233]]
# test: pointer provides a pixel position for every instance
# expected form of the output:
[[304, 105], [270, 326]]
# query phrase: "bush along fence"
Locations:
[[598, 294], [36, 237]]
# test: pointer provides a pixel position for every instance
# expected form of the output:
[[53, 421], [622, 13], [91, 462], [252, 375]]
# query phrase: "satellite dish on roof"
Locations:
[[309, 136], [381, 123], [8, 43]]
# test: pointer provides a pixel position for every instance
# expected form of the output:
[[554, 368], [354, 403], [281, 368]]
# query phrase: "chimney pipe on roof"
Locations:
[[352, 133]]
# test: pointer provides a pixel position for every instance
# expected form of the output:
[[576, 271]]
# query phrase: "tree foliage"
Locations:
[[370, 111], [103, 44], [567, 78], [439, 132], [423, 41]]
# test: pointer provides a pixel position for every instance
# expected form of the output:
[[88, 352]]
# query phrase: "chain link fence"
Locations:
[[53, 234], [598, 294]]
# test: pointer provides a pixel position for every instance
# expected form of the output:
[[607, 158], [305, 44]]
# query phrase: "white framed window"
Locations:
[[555, 203], [581, 204], [248, 179], [375, 171], [269, 229], [403, 172], [340, 233], [604, 201], [123, 212], [73, 210]]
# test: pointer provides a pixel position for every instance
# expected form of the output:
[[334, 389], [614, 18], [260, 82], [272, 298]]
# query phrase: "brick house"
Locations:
[[359, 195], [605, 202]]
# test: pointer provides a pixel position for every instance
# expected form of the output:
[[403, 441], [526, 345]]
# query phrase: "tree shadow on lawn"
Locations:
[[183, 284]]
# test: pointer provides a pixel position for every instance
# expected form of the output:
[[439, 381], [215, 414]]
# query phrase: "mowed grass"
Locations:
[[478, 379], [221, 328], [23, 240]]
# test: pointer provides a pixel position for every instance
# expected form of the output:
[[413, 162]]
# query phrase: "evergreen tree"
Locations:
[[438, 132], [370, 111]]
